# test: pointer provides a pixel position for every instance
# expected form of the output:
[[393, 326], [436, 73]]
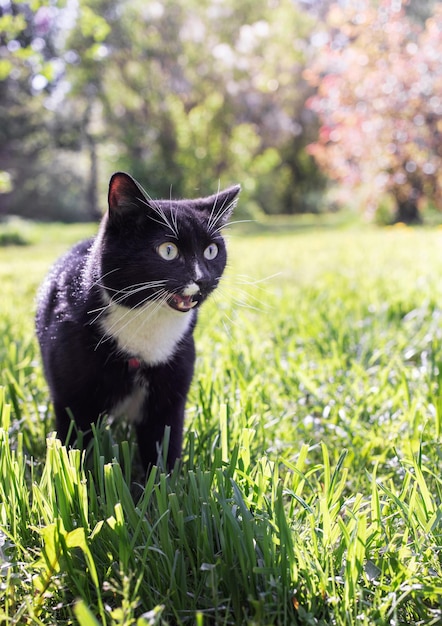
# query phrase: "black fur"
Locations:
[[108, 309]]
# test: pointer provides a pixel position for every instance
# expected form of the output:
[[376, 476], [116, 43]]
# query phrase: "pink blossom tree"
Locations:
[[378, 79]]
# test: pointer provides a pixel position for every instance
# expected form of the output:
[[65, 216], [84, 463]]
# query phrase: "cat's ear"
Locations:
[[220, 206], [125, 196]]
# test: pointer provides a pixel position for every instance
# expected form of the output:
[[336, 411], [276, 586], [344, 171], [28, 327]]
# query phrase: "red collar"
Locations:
[[134, 363]]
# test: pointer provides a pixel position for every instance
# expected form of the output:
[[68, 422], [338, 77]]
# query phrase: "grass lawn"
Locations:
[[310, 490]]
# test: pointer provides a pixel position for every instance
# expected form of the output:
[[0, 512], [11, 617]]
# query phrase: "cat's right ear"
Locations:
[[125, 195]]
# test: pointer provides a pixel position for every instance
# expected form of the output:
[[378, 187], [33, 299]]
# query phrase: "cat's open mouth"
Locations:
[[181, 303]]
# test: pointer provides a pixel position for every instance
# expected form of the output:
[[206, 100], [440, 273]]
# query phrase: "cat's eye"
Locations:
[[168, 251], [211, 251]]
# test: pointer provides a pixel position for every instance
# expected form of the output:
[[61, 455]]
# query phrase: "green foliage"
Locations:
[[14, 232], [309, 490], [186, 96], [374, 63]]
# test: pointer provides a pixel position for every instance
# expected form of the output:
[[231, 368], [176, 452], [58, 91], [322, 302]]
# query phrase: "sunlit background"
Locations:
[[312, 106]]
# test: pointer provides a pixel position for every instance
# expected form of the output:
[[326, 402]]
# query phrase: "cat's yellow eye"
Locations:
[[168, 251], [211, 251]]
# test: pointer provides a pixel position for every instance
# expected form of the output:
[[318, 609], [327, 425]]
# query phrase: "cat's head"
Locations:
[[165, 251]]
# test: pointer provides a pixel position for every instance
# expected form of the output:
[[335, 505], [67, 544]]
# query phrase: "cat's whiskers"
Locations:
[[157, 300], [244, 299], [174, 218], [173, 234], [131, 289], [120, 295], [136, 288], [159, 211], [214, 231], [148, 201], [131, 330], [243, 279], [247, 300], [97, 283], [232, 288], [215, 222], [173, 213], [210, 220], [153, 298], [246, 305]]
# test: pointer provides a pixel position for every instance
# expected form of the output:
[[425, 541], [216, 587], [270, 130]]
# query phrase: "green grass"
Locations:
[[310, 490]]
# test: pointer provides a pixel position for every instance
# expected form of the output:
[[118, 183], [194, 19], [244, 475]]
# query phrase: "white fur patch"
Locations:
[[150, 332], [130, 407], [198, 273]]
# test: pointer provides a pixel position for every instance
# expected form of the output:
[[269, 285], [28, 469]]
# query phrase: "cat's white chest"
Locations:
[[151, 332]]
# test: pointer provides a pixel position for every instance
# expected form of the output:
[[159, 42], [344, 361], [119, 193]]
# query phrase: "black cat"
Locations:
[[116, 314]]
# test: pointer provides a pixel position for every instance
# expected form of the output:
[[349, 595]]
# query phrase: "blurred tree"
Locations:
[[36, 138], [419, 11], [379, 78], [205, 92], [185, 94], [85, 52]]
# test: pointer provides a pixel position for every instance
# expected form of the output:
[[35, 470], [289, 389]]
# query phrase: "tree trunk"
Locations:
[[408, 212], [92, 188]]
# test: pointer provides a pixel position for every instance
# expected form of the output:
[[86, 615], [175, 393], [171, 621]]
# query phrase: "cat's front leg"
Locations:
[[83, 414], [151, 430], [164, 406]]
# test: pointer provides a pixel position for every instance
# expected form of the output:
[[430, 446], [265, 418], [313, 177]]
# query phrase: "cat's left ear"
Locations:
[[125, 195], [220, 206]]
